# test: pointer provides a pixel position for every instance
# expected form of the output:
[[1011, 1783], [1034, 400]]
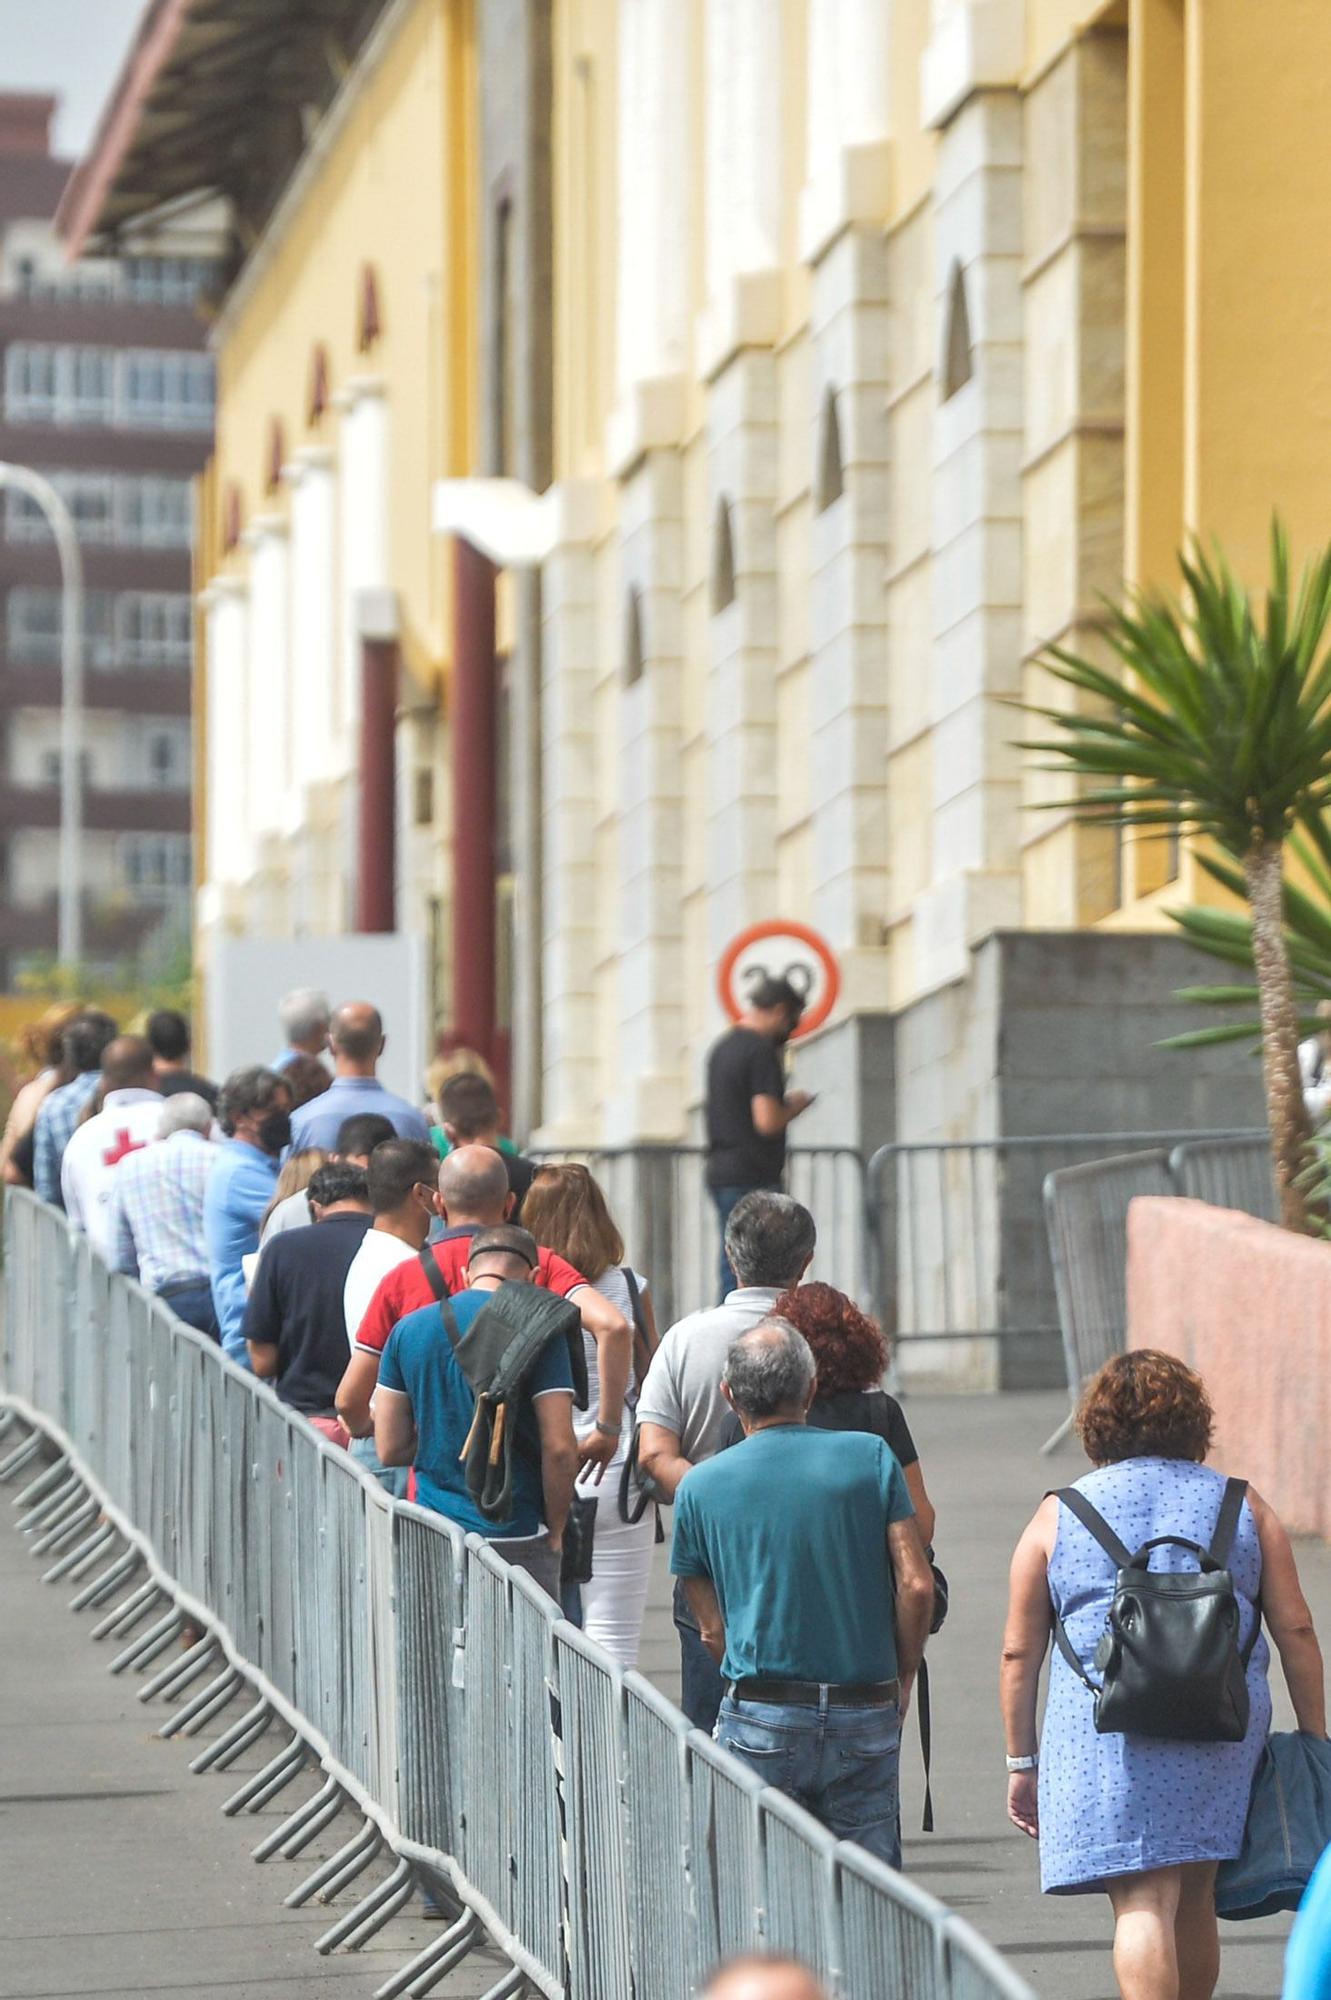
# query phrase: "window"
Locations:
[[87, 385], [144, 387], [634, 659], [52, 762], [367, 310], [164, 760], [152, 629], [723, 557], [829, 483], [164, 281], [33, 627], [154, 513], [156, 867], [30, 383], [958, 353], [128, 509], [162, 390]]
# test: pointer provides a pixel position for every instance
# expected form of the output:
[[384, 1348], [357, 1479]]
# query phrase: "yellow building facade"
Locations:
[[345, 391], [889, 337]]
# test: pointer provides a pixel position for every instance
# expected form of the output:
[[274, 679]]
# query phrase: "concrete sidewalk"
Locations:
[[985, 1475], [120, 1875]]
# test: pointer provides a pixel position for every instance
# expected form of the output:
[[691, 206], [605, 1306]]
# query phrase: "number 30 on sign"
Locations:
[[780, 950]]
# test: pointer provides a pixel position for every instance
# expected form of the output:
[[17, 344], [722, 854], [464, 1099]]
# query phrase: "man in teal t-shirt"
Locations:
[[800, 1557]]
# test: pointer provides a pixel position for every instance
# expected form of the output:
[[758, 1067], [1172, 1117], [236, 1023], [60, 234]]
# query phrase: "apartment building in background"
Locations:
[[105, 388]]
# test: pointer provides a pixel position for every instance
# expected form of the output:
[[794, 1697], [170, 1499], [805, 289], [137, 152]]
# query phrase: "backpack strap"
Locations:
[[1095, 1525], [1100, 1531], [926, 1742], [1227, 1520], [434, 1277]]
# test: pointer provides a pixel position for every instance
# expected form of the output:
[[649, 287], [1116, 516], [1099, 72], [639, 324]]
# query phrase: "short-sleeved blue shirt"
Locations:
[[791, 1527], [418, 1360]]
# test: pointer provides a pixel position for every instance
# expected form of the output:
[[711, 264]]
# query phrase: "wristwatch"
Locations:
[[1015, 1764], [607, 1430]]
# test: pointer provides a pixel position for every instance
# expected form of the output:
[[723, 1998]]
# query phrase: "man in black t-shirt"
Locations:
[[748, 1105], [295, 1326]]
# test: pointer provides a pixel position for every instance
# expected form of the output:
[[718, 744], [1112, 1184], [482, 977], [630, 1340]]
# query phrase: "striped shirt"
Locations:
[[157, 1212]]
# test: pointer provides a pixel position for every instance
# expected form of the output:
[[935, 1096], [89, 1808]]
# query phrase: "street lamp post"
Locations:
[[69, 935]]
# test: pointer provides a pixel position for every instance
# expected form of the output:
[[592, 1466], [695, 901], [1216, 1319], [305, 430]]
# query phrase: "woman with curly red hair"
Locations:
[[851, 1357], [1147, 1819]]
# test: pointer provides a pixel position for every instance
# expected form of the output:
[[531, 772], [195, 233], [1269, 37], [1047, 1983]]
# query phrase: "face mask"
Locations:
[[274, 1131]]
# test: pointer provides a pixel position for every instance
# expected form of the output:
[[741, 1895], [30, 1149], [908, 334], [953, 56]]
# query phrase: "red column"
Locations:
[[377, 839], [474, 742]]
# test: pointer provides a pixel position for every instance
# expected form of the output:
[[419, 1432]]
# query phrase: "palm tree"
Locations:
[[1220, 729]]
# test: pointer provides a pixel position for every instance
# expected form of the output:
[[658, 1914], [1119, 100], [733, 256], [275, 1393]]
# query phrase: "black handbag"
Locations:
[[1169, 1659], [575, 1564], [636, 1492]]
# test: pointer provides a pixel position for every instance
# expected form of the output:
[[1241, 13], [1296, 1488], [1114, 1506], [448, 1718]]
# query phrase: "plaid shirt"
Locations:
[[56, 1121], [157, 1212]]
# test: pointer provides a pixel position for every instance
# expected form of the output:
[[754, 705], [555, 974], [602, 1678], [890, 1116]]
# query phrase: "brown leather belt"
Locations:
[[810, 1694]]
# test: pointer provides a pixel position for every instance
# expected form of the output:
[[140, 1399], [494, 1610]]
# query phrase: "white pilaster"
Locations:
[[568, 826], [848, 114], [976, 883], [362, 527], [740, 713], [849, 346], [313, 598], [651, 1027], [269, 721], [230, 843]]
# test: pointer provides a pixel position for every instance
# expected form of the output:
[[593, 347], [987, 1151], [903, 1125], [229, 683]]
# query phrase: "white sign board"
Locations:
[[247, 977]]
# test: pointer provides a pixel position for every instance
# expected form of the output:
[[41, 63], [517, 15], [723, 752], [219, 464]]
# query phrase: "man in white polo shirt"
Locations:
[[128, 1120], [401, 1176]]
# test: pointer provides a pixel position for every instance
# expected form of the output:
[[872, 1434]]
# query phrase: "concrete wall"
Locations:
[[1249, 1307], [1049, 1033]]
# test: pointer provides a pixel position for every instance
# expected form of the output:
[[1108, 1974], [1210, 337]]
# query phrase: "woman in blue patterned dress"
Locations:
[[1145, 1820]]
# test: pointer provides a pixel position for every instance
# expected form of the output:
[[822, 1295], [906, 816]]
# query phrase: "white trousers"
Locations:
[[615, 1601]]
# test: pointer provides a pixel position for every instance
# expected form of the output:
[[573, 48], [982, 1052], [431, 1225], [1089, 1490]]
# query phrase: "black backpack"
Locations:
[[496, 1354], [1169, 1658]]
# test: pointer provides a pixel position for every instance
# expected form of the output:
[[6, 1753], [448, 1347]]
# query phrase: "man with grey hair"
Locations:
[[682, 1414], [157, 1211], [305, 1015], [801, 1560]]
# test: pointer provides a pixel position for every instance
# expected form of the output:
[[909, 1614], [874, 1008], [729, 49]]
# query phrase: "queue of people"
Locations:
[[471, 1327]]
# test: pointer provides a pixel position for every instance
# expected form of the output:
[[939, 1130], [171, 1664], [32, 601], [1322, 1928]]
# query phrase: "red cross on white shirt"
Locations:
[[123, 1144]]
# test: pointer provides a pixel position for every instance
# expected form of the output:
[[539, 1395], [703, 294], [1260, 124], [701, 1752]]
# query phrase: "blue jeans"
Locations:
[[701, 1686], [194, 1304], [840, 1764], [393, 1478], [723, 1200]]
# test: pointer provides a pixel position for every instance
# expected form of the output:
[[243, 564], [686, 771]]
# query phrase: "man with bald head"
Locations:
[[131, 1108], [473, 1195], [356, 1038], [763, 1977]]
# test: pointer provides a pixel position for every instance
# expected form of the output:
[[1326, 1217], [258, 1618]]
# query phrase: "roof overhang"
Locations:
[[215, 97]]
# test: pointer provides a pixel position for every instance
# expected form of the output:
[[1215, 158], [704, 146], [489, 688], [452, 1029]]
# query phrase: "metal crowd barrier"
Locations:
[[963, 1272], [607, 1848], [1086, 1218], [659, 1196]]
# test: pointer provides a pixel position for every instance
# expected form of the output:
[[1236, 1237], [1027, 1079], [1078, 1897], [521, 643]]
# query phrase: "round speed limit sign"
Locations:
[[780, 950]]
